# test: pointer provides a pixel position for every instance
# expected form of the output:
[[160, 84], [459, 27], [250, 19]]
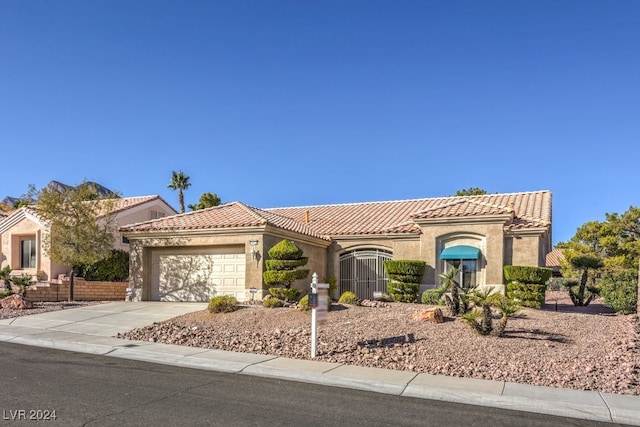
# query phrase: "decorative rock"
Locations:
[[434, 315], [15, 302]]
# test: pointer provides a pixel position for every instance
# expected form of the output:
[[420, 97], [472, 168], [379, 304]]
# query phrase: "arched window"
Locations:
[[464, 258]]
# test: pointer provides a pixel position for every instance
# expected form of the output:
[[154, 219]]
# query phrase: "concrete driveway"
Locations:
[[107, 319]]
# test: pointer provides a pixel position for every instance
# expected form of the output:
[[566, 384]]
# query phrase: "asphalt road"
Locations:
[[50, 387]]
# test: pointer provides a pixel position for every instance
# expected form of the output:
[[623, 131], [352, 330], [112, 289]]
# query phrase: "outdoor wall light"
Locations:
[[254, 251]]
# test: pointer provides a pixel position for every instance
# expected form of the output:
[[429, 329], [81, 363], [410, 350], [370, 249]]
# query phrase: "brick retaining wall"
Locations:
[[82, 291]]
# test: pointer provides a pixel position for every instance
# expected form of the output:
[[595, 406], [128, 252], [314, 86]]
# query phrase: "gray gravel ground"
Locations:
[[588, 348]]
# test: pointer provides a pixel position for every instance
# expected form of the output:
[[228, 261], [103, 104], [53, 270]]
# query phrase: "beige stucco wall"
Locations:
[[141, 249], [138, 214]]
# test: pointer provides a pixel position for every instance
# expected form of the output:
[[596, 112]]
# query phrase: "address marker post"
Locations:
[[319, 303]]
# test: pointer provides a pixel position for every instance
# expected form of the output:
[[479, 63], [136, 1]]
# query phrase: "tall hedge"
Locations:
[[285, 258], [114, 268], [404, 279], [527, 285]]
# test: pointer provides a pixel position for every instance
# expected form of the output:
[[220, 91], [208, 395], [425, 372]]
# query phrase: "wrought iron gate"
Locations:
[[362, 272]]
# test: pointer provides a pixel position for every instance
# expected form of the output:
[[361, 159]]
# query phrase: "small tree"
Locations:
[[586, 293], [455, 296], [81, 228], [282, 270], [481, 318], [207, 200], [474, 191]]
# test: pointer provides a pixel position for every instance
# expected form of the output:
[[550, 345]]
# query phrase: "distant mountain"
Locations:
[[60, 187]]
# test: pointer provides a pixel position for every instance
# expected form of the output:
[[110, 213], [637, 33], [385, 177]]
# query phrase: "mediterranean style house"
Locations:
[[22, 232], [220, 250]]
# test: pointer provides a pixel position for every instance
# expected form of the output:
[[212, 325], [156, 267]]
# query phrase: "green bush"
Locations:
[[285, 294], [114, 268], [349, 297], [285, 264], [6, 293], [273, 277], [620, 293], [222, 304], [405, 276], [281, 268], [285, 250], [527, 294], [527, 274], [403, 292], [303, 304], [272, 302], [431, 297], [405, 267]]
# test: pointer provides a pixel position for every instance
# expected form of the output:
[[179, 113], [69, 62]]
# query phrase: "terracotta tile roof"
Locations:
[[554, 257], [123, 203], [230, 215], [531, 209], [119, 205]]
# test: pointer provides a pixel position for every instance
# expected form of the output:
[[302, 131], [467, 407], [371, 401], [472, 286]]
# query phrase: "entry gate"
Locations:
[[362, 272]]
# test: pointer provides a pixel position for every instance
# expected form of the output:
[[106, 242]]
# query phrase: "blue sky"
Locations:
[[286, 103]]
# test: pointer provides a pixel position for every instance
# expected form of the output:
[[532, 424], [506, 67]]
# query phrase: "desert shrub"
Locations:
[[23, 282], [620, 293], [272, 302], [431, 297], [333, 284], [303, 304], [222, 304], [349, 297], [114, 268], [6, 293], [285, 294], [384, 297]]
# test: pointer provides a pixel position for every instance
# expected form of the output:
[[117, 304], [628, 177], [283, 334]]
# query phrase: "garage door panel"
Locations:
[[197, 276]]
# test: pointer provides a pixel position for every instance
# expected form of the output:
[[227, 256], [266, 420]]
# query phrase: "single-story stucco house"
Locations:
[[220, 250], [22, 233]]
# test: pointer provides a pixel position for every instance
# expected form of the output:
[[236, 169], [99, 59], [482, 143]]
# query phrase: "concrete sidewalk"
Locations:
[[91, 329]]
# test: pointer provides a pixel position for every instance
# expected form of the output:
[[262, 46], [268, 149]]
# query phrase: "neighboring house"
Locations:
[[22, 233], [553, 261], [220, 250]]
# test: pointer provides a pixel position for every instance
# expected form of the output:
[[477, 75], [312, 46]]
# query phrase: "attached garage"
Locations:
[[197, 274]]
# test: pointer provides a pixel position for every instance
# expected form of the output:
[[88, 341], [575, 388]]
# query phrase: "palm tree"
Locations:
[[180, 182]]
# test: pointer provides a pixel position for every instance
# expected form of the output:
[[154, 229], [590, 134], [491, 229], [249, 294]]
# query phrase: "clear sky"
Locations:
[[304, 102]]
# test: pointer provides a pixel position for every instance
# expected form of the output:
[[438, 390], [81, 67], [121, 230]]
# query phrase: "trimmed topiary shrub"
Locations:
[[285, 294], [349, 298], [272, 302], [281, 268], [222, 304], [405, 277], [527, 285]]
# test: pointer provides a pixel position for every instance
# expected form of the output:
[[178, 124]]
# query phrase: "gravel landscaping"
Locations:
[[43, 307], [588, 348]]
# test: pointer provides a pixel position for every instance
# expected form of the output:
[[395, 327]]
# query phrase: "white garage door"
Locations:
[[197, 274]]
